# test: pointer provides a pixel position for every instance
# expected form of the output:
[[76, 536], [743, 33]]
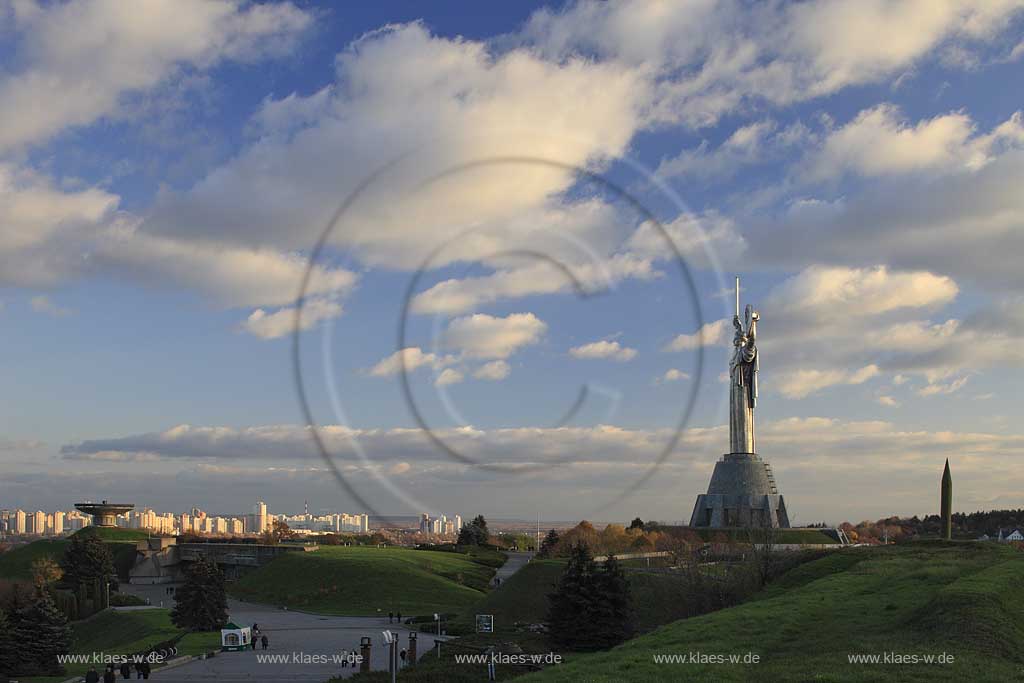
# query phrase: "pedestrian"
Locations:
[[265, 641], [126, 670], [145, 667], [254, 643], [138, 669], [402, 656], [255, 629], [108, 674], [391, 616], [399, 617], [92, 676]]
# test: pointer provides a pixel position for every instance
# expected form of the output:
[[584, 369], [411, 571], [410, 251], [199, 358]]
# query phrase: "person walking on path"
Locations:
[[265, 641], [126, 670], [92, 676]]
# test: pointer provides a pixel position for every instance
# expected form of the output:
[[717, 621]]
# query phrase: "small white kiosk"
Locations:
[[235, 637]]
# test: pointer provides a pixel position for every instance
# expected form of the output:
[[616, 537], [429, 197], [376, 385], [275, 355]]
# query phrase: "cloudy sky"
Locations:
[[530, 220]]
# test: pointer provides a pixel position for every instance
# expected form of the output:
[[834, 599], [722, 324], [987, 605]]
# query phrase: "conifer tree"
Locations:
[[41, 633], [8, 651], [616, 608], [550, 542], [201, 604], [571, 608], [86, 559]]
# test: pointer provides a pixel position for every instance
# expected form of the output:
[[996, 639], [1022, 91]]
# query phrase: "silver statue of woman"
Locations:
[[743, 379]]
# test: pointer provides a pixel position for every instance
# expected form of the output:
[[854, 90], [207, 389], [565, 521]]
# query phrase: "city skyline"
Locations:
[[554, 203]]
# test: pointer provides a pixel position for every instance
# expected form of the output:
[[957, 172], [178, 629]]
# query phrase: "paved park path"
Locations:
[[293, 632], [516, 561]]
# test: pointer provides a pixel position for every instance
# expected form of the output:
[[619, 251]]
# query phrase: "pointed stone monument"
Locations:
[[946, 503], [742, 492]]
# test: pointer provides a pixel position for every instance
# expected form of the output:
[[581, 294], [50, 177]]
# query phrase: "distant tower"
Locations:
[[946, 503]]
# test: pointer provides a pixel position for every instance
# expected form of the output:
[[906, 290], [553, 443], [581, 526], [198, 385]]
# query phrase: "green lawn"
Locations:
[[360, 580], [17, 563], [924, 598], [125, 633]]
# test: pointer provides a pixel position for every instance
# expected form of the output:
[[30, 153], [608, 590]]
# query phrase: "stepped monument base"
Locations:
[[742, 493]]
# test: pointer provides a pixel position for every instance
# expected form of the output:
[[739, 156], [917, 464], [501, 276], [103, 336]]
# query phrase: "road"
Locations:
[[298, 634], [516, 561]]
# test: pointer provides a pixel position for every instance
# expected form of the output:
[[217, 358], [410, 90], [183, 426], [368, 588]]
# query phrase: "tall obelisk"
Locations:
[[742, 492], [946, 503]]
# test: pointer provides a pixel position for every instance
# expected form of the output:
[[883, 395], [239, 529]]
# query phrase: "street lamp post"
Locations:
[[391, 640]]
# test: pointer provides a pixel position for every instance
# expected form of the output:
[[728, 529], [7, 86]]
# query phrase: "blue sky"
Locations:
[[165, 171]]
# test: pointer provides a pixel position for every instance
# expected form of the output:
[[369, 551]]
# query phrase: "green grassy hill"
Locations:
[[362, 580], [919, 599], [17, 563]]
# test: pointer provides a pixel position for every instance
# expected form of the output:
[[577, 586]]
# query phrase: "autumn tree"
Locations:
[[45, 573]]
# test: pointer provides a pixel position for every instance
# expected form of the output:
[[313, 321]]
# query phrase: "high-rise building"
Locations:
[[39, 522], [20, 522], [260, 523], [58, 522]]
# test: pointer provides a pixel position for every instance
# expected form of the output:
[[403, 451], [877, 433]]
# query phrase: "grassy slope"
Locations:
[[125, 633], [360, 580], [17, 563], [925, 598], [523, 597]]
